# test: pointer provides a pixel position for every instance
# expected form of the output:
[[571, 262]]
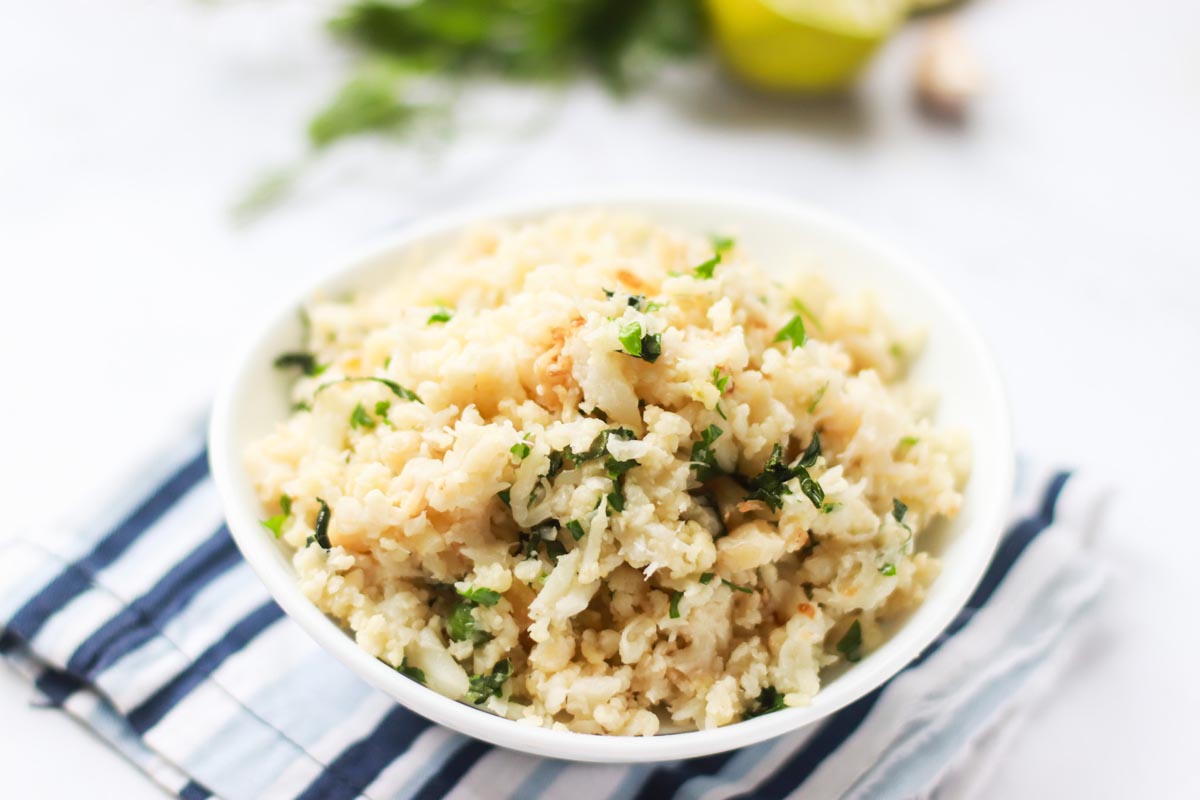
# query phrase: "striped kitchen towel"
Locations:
[[145, 624]]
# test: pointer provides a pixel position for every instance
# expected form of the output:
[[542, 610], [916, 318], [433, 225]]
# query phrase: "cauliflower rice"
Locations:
[[598, 475]]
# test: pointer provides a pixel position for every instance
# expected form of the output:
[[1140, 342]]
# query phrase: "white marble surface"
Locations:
[[1064, 216]]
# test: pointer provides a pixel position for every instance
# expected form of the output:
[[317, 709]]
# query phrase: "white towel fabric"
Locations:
[[148, 627]]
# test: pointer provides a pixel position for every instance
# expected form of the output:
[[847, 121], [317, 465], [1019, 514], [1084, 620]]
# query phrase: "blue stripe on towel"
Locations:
[[360, 763], [143, 618], [444, 780], [194, 791], [77, 577], [159, 704]]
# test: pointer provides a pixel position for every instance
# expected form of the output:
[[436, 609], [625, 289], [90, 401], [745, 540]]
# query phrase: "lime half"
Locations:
[[809, 45]]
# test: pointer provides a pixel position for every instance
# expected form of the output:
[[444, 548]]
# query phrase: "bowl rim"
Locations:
[[879, 666]]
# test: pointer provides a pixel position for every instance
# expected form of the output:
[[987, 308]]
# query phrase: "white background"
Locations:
[[1064, 216]]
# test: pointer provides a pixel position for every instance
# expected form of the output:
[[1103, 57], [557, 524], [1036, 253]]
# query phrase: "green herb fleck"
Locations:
[[441, 315], [359, 418], [461, 625], [381, 410], [793, 332], [307, 362], [719, 380], [811, 452], [651, 347], [850, 645], [505, 496], [798, 304], [395, 388], [575, 529], [705, 270], [898, 510], [630, 337], [829, 507], [736, 588], [820, 395], [768, 700], [485, 686], [321, 532], [721, 244], [275, 524], [521, 450], [484, 597], [908, 441], [674, 610], [706, 577], [770, 485], [704, 460], [555, 550], [647, 347], [888, 569], [413, 673]]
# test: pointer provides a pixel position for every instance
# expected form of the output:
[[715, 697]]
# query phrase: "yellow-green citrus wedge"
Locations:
[[807, 45]]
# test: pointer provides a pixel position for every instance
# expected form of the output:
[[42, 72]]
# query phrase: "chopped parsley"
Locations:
[[674, 610], [521, 450], [544, 534], [637, 301], [719, 380], [705, 270], [413, 673], [647, 347], [704, 460], [899, 510], [359, 418], [615, 470], [441, 315], [321, 532], [721, 244], [575, 529], [792, 332], [395, 388], [706, 577], [651, 347], [461, 625], [768, 700], [381, 410], [485, 686], [888, 569], [275, 523], [907, 442], [770, 485], [630, 337], [828, 507], [598, 447], [484, 597], [505, 496], [307, 362], [555, 550], [736, 588], [804, 310], [850, 645], [820, 395]]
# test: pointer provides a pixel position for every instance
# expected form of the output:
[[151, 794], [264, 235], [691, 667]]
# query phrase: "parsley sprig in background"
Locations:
[[411, 59]]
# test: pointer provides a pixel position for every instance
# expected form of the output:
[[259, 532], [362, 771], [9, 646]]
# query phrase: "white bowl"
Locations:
[[774, 232]]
